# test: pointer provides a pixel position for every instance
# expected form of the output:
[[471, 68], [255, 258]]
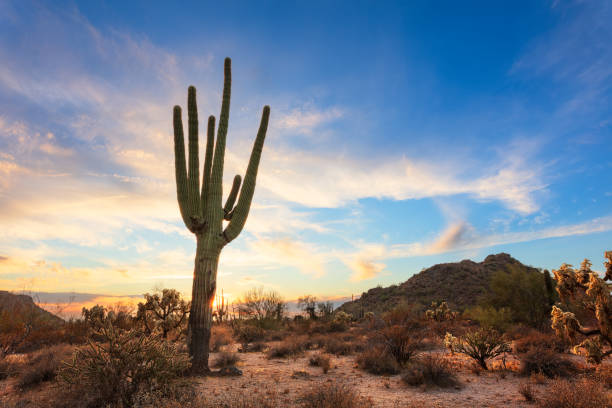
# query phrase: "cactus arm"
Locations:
[[214, 206], [231, 199], [193, 176], [210, 145], [248, 186], [180, 167]]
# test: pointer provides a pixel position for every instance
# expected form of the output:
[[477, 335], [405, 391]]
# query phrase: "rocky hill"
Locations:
[[461, 284], [23, 308]]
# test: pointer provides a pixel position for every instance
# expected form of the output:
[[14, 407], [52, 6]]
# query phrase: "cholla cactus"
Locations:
[[449, 342], [440, 312], [585, 290], [342, 317], [202, 209]]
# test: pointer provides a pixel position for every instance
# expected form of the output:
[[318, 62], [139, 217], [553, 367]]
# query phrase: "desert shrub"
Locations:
[[586, 294], [337, 346], [221, 336], [246, 333], [320, 360], [400, 341], [226, 359], [113, 371], [579, 394], [431, 370], [333, 396], [377, 360], [547, 362], [481, 345], [526, 390], [537, 339], [499, 319], [75, 331], [287, 348], [42, 366]]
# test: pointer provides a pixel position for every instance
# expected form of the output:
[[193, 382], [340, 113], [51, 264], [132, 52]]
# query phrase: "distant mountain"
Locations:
[[460, 284], [23, 308]]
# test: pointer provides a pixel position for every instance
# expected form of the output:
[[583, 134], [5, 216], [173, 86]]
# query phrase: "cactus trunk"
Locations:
[[202, 210], [203, 294]]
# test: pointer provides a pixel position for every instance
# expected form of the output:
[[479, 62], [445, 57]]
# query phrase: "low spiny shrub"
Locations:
[[113, 371], [547, 362]]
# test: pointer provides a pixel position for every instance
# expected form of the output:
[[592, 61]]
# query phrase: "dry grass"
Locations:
[[431, 370], [579, 394], [333, 396], [377, 361], [287, 348]]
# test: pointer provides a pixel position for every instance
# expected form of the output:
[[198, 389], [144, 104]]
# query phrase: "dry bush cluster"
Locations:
[[583, 393], [546, 362], [430, 371]]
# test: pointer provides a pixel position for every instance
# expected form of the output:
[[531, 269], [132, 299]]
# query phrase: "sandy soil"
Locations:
[[496, 388]]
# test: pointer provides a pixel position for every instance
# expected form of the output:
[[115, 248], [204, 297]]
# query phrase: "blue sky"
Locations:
[[402, 135]]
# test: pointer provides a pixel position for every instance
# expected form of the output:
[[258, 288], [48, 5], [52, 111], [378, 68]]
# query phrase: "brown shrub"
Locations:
[[333, 396], [289, 347], [401, 341], [246, 333], [526, 390], [226, 359], [431, 370], [338, 346], [320, 360], [377, 361], [547, 362], [42, 366], [221, 336], [539, 340], [579, 394]]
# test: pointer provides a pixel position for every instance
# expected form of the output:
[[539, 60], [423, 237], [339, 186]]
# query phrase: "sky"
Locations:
[[402, 134]]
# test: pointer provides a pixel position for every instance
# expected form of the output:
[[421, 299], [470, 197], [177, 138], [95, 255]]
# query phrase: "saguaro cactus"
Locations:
[[202, 210]]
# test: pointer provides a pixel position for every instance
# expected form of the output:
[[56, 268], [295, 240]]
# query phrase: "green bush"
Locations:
[[525, 293], [481, 345], [488, 316]]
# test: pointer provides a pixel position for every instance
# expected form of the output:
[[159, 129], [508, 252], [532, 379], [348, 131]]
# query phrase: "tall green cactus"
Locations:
[[202, 210]]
